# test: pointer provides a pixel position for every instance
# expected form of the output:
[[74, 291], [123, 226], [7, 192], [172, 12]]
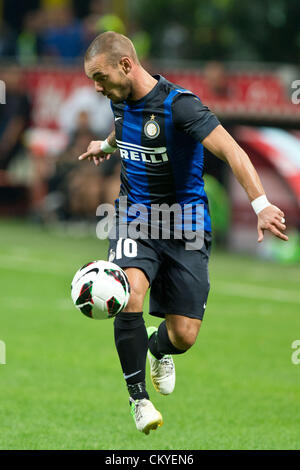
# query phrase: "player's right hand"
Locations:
[[95, 153]]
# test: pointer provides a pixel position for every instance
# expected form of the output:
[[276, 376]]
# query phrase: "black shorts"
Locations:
[[179, 280]]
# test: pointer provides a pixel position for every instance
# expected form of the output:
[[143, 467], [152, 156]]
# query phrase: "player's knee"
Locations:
[[136, 300], [139, 285], [184, 338], [183, 331]]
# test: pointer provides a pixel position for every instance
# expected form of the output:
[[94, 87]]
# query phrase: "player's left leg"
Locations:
[[182, 330], [178, 294], [175, 335]]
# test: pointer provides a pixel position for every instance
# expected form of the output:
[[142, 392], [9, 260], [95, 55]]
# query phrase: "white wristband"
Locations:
[[260, 203], [106, 147]]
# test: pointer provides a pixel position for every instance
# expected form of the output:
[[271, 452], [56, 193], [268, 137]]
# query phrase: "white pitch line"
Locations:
[[256, 292], [251, 291], [28, 265], [25, 304]]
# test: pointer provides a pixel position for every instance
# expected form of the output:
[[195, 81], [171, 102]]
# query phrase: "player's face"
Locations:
[[111, 81]]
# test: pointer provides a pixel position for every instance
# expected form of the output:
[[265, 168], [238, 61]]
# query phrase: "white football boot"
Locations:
[[162, 371], [145, 415]]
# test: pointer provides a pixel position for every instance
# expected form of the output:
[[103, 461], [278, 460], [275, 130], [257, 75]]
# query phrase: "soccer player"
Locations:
[[160, 129]]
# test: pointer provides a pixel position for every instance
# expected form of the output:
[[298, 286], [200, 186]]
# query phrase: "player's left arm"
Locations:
[[222, 144]]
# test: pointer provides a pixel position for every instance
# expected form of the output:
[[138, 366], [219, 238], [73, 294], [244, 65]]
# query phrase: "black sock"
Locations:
[[131, 341], [160, 344]]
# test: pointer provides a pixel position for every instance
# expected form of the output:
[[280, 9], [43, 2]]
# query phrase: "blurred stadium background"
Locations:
[[242, 59]]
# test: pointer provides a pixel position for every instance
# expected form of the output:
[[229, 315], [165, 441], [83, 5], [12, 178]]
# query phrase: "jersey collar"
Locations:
[[149, 95]]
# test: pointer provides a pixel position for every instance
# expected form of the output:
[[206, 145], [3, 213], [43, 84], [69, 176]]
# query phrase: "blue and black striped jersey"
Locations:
[[159, 138]]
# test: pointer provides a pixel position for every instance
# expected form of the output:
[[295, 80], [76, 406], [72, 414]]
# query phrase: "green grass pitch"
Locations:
[[62, 387]]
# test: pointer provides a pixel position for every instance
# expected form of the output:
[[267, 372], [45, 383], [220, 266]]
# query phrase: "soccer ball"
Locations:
[[100, 289]]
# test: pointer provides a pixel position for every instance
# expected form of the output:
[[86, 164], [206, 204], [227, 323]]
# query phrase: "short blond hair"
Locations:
[[114, 45]]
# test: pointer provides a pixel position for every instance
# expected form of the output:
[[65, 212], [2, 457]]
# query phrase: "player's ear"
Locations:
[[126, 64]]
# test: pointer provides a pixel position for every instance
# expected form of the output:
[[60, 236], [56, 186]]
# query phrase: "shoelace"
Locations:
[[167, 364], [138, 410]]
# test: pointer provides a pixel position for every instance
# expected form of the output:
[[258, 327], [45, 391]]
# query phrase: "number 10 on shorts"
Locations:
[[126, 247]]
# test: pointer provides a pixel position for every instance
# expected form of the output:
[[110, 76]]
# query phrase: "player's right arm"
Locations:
[[99, 150]]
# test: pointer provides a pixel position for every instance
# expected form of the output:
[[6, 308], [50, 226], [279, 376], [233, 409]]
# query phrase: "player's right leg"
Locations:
[[141, 262], [132, 344]]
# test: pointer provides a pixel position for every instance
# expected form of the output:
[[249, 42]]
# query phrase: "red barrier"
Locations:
[[261, 96], [253, 95]]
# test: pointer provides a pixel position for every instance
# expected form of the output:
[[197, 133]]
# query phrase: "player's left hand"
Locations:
[[271, 218]]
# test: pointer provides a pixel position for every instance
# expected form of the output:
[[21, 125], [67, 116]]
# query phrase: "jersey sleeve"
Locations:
[[191, 116]]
